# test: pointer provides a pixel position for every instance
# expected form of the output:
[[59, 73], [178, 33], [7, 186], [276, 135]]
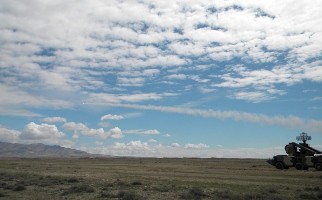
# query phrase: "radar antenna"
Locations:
[[303, 137]]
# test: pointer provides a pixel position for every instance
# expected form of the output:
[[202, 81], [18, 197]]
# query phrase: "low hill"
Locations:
[[39, 150]]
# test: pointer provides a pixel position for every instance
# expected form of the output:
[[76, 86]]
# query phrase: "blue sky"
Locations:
[[159, 78]]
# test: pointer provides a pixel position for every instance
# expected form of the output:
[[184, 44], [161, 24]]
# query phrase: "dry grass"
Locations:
[[152, 178]]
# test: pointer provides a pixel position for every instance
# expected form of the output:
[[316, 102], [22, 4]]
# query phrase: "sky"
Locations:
[[193, 78]]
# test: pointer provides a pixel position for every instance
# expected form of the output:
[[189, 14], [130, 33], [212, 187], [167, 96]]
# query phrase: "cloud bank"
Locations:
[[285, 121]]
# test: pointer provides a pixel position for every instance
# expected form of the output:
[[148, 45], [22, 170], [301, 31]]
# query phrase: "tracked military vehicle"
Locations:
[[299, 155]]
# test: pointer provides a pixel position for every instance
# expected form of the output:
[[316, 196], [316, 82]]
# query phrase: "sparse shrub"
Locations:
[[128, 195], [137, 183], [121, 183], [224, 194], [319, 195], [272, 191], [162, 188], [307, 196], [72, 180], [18, 187], [3, 185], [2, 195], [106, 194], [79, 189], [194, 193]]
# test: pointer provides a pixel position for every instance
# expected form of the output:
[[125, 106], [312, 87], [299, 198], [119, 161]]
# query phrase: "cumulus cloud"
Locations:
[[90, 51], [33, 131], [101, 55], [175, 145], [9, 135], [80, 128], [115, 132], [142, 149]]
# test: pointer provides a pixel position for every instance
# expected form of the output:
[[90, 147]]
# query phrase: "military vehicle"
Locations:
[[299, 155]]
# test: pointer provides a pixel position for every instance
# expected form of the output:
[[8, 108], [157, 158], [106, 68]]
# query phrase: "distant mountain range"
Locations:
[[40, 150]]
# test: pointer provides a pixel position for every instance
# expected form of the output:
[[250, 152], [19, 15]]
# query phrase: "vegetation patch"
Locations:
[[194, 193], [224, 194], [272, 191], [19, 187], [136, 183], [129, 195], [79, 189], [125, 178]]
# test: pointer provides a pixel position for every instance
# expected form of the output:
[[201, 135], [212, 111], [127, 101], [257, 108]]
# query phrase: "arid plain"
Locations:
[[153, 178]]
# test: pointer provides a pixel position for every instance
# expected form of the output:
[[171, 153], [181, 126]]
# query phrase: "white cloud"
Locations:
[[206, 90], [114, 98], [142, 149], [76, 53], [122, 81], [79, 128], [10, 111], [53, 119], [13, 96], [252, 96], [196, 146], [175, 145], [9, 135], [112, 117], [152, 141], [286, 121], [142, 132], [115, 132], [33, 131], [177, 76]]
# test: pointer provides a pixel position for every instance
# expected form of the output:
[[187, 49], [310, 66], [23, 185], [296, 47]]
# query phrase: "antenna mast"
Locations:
[[303, 137]]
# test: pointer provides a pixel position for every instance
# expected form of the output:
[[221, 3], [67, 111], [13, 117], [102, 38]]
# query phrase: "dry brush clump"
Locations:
[[129, 195], [82, 188], [194, 193], [311, 193]]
